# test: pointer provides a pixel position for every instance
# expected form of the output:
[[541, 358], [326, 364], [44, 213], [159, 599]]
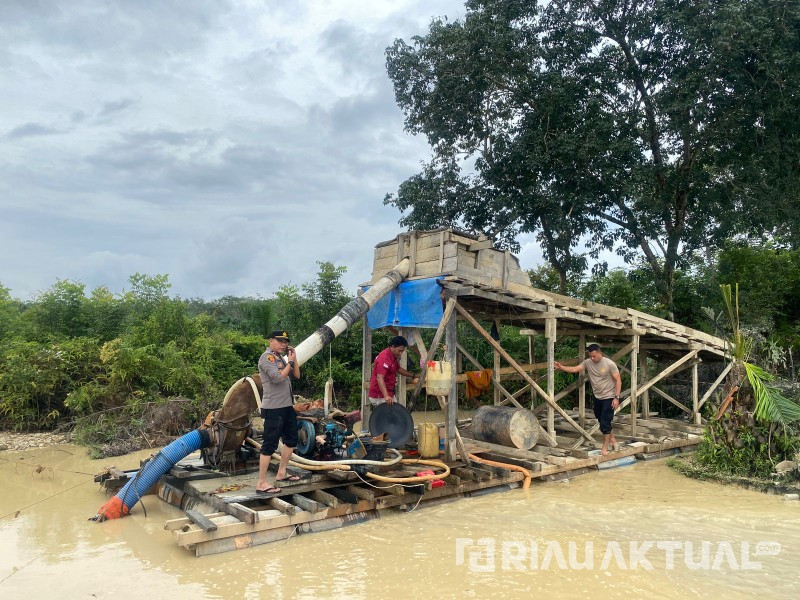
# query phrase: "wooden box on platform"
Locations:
[[446, 251]]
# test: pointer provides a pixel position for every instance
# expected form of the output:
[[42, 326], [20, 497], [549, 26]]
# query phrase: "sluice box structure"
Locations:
[[437, 280]]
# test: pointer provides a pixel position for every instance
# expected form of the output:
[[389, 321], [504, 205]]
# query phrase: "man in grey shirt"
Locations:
[[606, 387], [277, 366]]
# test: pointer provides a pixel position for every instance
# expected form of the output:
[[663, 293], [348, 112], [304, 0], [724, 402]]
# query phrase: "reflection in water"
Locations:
[[51, 547]]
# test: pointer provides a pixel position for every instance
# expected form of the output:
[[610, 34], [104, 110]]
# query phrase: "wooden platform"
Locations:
[[241, 518], [244, 518]]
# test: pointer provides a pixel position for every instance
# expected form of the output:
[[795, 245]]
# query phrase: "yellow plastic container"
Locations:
[[438, 377], [428, 436]]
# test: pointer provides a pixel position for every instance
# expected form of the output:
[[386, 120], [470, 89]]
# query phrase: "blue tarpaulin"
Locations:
[[416, 303]]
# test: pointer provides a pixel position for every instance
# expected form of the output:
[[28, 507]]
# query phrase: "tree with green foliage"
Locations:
[[656, 127]]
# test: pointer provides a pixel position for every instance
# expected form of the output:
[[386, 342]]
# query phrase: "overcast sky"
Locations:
[[229, 144]]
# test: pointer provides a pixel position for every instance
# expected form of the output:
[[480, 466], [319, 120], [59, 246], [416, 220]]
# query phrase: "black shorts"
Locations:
[[278, 423], [604, 413]]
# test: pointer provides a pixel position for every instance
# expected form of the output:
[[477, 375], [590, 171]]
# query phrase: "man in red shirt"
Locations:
[[384, 372]]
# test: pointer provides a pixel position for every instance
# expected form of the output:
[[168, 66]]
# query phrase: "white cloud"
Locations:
[[229, 144]]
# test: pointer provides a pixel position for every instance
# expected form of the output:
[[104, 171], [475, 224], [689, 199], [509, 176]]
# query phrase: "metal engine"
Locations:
[[326, 438]]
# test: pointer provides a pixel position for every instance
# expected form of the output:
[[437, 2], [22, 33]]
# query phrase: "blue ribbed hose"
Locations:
[[160, 464]]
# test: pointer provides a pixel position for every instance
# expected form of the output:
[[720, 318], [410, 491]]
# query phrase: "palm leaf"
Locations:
[[770, 404]]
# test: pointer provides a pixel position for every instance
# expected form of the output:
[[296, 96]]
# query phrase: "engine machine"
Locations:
[[325, 438]]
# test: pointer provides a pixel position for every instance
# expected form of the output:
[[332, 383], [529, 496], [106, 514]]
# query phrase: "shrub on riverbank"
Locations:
[[691, 466]]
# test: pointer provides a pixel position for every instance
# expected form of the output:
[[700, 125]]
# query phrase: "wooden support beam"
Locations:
[[325, 498], [634, 374], [714, 385], [401, 387], [549, 399], [669, 370], [307, 504], [441, 251], [645, 396], [581, 383], [695, 396], [459, 443], [518, 452], [343, 495], [568, 314], [437, 337], [666, 396], [412, 253], [201, 520], [366, 370], [363, 493], [451, 431], [496, 376], [241, 512], [531, 360], [550, 335], [283, 506]]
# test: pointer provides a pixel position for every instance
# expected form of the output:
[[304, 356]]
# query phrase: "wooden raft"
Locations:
[[245, 519]]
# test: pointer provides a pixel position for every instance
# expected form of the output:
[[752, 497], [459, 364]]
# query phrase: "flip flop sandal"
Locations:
[[270, 490], [291, 478]]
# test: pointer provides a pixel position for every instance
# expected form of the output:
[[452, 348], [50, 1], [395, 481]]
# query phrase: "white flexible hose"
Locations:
[[331, 464]]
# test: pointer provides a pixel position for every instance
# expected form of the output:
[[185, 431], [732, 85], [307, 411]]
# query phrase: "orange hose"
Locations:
[[113, 509], [526, 483]]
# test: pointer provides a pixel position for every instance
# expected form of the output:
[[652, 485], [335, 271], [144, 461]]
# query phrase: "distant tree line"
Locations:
[[96, 359]]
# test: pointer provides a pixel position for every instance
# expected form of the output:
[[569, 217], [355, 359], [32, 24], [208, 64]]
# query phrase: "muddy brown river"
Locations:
[[640, 531]]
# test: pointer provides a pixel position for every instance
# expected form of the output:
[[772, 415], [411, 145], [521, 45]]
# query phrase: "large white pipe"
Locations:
[[351, 313]]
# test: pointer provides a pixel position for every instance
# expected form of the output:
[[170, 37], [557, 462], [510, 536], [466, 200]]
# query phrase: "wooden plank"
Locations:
[[307, 504], [481, 245], [243, 513], [283, 506], [174, 524], [201, 520], [268, 520], [343, 495], [482, 473], [670, 444], [451, 415], [666, 396], [645, 396], [325, 498], [452, 479], [366, 369], [695, 395], [550, 335], [412, 254], [395, 489], [362, 492], [669, 370], [401, 386], [529, 464], [516, 452], [581, 383], [634, 370]]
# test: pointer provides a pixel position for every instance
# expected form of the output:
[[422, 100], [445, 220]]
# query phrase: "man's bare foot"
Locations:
[[604, 451]]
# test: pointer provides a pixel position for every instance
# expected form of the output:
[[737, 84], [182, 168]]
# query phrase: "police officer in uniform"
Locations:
[[277, 366]]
